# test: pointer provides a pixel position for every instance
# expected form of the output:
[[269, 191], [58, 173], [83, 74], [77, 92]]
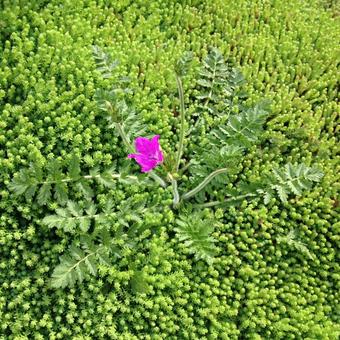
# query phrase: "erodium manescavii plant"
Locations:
[[208, 177]]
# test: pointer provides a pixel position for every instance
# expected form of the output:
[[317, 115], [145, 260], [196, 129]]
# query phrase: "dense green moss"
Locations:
[[260, 285]]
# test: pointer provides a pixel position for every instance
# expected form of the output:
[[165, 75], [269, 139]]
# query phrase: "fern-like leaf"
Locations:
[[53, 181], [74, 167], [291, 241], [243, 129], [26, 182], [119, 114], [104, 178], [77, 264], [44, 193], [291, 179], [73, 217], [105, 64], [217, 82], [195, 231], [227, 156], [183, 64], [84, 257]]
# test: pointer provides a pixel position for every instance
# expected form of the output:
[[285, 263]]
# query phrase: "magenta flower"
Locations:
[[149, 153]]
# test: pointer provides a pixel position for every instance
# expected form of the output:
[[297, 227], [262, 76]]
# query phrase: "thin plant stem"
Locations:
[[69, 179], [182, 116], [124, 137], [175, 191], [158, 179], [199, 187], [216, 203]]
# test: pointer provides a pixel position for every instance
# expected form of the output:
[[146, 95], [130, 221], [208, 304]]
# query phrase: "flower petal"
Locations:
[[146, 163], [143, 145], [150, 166], [159, 156], [154, 145]]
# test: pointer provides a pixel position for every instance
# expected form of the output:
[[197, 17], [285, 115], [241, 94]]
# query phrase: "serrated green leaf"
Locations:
[[105, 65], [69, 225], [19, 186], [267, 197], [103, 256], [183, 64], [53, 221], [282, 193], [74, 167], [74, 209], [91, 265], [291, 179], [85, 188], [77, 264], [106, 180], [91, 210], [195, 231], [314, 174], [218, 84], [44, 194], [84, 224], [244, 128], [291, 241], [54, 170], [30, 191], [94, 172], [204, 83], [60, 192]]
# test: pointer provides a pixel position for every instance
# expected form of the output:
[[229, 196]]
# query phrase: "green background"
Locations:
[[257, 289]]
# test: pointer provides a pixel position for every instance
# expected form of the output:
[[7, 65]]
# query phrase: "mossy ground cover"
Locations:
[[264, 283]]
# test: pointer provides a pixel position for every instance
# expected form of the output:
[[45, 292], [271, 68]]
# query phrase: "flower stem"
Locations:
[[182, 115], [158, 179], [70, 179], [175, 191], [122, 134], [231, 199], [124, 137], [203, 183]]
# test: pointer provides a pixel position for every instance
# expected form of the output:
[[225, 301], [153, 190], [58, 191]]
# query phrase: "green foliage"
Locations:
[[80, 261], [291, 179], [72, 217], [244, 128], [228, 157], [107, 178], [295, 245], [83, 257], [138, 283], [32, 181], [183, 64], [119, 114], [104, 64], [256, 287], [218, 83], [130, 121], [195, 232]]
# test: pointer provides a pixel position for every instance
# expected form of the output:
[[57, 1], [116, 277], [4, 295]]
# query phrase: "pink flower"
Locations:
[[149, 153]]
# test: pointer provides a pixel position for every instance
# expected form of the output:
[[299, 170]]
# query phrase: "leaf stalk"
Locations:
[[206, 181], [182, 116]]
